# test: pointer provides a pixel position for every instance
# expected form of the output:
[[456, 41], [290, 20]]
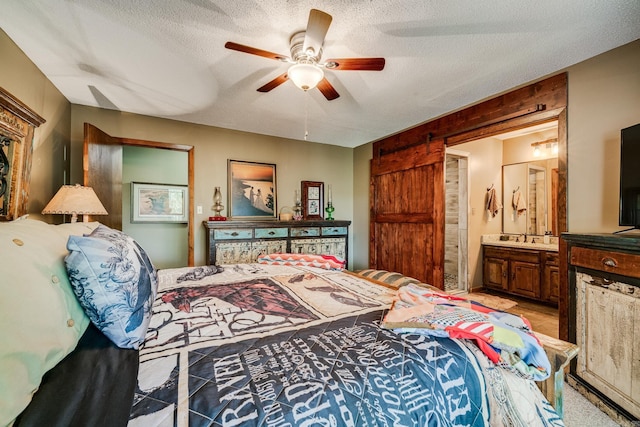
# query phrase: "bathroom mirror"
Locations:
[[527, 204]]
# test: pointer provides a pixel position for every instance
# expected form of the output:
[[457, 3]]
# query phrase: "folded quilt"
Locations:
[[505, 338], [328, 262]]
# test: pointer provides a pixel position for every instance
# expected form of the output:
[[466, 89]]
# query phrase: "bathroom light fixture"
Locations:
[[305, 75], [536, 151], [549, 143]]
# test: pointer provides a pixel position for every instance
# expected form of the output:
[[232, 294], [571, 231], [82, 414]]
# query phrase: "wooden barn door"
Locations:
[[407, 212]]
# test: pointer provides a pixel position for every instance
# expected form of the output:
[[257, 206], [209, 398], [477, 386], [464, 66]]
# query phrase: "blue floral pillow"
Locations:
[[115, 282]]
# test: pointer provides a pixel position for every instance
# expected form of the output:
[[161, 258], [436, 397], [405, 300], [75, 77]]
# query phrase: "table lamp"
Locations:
[[75, 200]]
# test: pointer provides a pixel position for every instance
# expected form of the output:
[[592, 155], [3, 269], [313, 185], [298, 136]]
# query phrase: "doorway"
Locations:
[[166, 243], [102, 165], [456, 266]]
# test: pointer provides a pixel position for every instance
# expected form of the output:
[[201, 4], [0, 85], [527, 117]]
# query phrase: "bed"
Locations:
[[260, 344], [270, 344]]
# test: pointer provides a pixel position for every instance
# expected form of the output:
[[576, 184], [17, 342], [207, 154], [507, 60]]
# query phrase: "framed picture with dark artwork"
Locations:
[[252, 190], [312, 199], [159, 202]]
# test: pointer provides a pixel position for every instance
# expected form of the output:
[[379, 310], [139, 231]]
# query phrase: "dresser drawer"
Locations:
[[305, 231], [270, 233], [609, 261], [237, 233], [334, 231], [523, 255]]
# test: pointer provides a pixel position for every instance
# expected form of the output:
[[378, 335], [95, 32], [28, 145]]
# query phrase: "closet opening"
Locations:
[[456, 266]]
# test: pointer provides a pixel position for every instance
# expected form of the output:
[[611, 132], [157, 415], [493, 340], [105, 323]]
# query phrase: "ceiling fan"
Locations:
[[306, 53]]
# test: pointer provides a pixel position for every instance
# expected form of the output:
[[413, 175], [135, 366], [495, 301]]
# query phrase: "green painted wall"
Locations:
[[165, 243]]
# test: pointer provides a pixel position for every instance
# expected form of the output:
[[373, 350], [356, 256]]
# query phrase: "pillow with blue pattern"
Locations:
[[115, 282]]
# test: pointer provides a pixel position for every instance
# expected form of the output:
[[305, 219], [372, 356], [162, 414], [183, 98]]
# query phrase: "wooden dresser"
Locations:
[[604, 320], [230, 242]]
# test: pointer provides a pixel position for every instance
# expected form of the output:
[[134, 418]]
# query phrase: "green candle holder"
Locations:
[[329, 210]]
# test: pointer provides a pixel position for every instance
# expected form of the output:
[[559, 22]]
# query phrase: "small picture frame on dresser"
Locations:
[[312, 200]]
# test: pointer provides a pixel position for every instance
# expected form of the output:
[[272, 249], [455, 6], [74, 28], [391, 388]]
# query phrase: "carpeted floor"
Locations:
[[579, 412]]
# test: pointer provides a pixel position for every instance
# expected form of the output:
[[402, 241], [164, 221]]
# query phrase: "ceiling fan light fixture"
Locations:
[[305, 76]]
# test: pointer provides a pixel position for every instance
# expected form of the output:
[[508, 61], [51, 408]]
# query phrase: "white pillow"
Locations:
[[41, 320]]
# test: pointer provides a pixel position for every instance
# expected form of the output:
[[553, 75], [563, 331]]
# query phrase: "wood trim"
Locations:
[[551, 92], [18, 109], [402, 159]]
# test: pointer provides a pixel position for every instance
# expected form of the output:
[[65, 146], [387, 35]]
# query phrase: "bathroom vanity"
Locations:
[[526, 269]]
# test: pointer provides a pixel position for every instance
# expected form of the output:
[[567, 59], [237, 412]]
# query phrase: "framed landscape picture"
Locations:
[[312, 199], [252, 190], [159, 202]]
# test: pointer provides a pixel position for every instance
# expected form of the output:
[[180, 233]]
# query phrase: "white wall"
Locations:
[[604, 97], [485, 169]]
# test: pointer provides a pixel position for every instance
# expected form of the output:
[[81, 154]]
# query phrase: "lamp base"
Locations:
[[217, 218], [329, 210]]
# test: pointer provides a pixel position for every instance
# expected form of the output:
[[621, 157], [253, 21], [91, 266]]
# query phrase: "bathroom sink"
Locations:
[[494, 240]]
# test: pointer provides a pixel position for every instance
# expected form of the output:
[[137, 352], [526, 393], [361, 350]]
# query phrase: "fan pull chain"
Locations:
[[306, 114]]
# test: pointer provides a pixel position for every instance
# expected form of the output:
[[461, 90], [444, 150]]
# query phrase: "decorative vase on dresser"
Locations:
[[604, 320], [233, 242]]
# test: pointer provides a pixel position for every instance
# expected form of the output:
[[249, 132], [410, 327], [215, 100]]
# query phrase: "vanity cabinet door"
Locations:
[[525, 278], [496, 272], [551, 284], [551, 278]]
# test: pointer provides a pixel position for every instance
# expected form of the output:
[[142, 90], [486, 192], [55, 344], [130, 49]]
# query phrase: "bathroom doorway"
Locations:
[[456, 266]]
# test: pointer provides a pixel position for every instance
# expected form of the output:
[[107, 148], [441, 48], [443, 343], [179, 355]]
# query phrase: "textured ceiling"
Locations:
[[166, 58]]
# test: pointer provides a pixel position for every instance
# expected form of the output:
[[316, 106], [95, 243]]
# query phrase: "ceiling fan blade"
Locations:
[[274, 83], [255, 51], [327, 89], [359, 64], [317, 28]]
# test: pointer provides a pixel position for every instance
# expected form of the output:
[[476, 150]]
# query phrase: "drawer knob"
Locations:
[[609, 262], [234, 234], [271, 233]]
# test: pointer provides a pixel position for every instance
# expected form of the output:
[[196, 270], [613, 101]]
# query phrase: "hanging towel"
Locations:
[[493, 204], [519, 205]]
